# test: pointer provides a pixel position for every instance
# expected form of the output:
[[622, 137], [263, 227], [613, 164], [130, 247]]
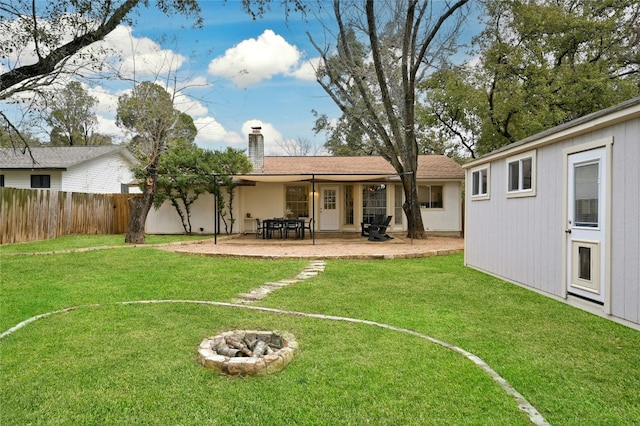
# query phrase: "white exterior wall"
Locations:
[[104, 175], [449, 218], [22, 178], [521, 239], [166, 220], [99, 176], [267, 200]]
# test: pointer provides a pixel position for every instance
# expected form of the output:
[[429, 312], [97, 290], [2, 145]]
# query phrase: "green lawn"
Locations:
[[107, 363], [74, 242]]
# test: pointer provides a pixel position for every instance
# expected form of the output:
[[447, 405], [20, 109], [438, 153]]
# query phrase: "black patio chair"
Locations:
[[273, 225], [364, 226], [292, 225], [309, 226], [379, 232]]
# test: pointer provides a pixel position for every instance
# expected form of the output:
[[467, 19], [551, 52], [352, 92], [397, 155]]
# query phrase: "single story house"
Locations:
[[87, 169], [337, 192], [559, 213]]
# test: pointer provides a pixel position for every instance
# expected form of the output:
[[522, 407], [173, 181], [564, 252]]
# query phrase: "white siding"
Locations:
[[521, 239], [449, 218], [22, 178], [104, 175]]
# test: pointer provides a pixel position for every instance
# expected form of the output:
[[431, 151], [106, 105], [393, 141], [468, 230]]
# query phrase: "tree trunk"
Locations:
[[139, 206], [411, 207]]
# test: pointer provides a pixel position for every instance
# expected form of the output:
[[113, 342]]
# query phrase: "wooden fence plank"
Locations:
[[30, 215]]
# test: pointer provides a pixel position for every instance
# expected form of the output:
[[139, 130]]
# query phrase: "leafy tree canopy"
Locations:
[[72, 118], [542, 63]]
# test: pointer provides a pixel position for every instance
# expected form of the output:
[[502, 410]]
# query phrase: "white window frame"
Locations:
[[429, 188], [519, 192], [486, 170]]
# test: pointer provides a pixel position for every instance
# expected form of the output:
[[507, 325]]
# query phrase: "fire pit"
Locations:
[[247, 352]]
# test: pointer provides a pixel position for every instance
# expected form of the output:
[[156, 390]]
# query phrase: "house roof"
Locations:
[[60, 158], [432, 167]]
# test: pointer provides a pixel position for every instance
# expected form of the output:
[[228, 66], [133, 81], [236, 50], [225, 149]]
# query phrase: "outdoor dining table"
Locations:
[[282, 226]]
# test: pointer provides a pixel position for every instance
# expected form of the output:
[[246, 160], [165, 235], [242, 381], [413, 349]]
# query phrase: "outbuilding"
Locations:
[[559, 213]]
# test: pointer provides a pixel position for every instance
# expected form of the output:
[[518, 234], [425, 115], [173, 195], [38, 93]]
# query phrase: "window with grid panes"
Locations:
[[297, 200]]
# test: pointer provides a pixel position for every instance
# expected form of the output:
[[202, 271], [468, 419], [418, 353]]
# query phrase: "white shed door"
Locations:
[[585, 226]]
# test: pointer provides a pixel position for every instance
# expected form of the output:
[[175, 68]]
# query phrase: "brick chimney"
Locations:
[[256, 149]]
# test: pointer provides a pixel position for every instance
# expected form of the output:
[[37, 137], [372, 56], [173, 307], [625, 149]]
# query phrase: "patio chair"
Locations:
[[377, 220], [379, 232], [272, 226], [309, 226], [259, 228], [292, 225]]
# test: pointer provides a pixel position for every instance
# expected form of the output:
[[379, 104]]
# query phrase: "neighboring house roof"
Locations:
[[58, 158], [429, 167]]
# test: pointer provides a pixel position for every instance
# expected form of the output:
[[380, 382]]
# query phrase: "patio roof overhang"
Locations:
[[281, 178], [314, 178]]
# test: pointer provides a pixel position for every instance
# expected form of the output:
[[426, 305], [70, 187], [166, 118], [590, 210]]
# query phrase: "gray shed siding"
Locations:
[[625, 224], [521, 239]]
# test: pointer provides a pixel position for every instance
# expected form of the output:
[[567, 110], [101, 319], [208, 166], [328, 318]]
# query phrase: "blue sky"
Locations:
[[241, 73], [230, 75]]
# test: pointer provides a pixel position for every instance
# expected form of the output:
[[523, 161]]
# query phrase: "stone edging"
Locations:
[[523, 405]]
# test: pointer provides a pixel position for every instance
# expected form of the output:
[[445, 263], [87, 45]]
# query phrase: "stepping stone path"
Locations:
[[311, 270]]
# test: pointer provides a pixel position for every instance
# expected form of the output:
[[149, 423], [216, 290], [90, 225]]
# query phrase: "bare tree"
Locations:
[[49, 40], [383, 50], [300, 147]]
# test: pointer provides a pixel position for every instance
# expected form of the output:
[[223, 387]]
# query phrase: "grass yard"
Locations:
[[74, 242], [108, 363]]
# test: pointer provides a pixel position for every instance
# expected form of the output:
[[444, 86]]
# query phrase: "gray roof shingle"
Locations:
[[61, 157]]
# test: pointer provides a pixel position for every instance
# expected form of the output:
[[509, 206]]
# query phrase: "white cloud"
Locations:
[[254, 60], [188, 105], [107, 126], [139, 57], [270, 133], [211, 132], [306, 70]]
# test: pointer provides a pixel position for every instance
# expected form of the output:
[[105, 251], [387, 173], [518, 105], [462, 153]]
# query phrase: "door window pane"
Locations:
[[329, 199], [586, 193]]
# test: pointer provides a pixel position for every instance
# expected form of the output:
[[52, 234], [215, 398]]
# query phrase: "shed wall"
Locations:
[[521, 239]]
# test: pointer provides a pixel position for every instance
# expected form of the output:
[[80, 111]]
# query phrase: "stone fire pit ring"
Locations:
[[232, 352]]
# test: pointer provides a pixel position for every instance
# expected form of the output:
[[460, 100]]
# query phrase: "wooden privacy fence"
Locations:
[[30, 215]]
